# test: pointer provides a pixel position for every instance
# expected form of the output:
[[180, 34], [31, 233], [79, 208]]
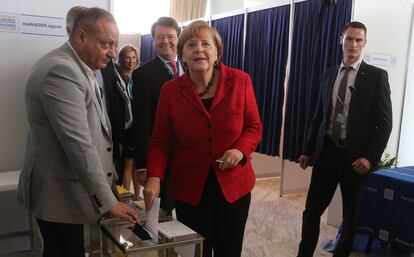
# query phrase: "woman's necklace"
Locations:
[[209, 85]]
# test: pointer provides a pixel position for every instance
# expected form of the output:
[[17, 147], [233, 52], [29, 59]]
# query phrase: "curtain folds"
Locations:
[[185, 10], [265, 60], [231, 32], [147, 50], [315, 47]]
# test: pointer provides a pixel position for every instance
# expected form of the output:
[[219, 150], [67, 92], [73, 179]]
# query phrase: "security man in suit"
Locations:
[[68, 172], [346, 138], [147, 82]]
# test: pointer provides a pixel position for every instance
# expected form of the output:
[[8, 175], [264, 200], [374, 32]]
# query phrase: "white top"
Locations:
[[9, 180]]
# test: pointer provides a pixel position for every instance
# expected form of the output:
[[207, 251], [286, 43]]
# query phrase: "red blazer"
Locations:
[[190, 138]]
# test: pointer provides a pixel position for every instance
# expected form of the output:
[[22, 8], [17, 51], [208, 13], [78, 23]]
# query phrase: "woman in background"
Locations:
[[206, 127], [128, 61]]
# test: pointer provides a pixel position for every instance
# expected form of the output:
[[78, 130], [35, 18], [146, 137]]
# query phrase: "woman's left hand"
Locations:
[[230, 159]]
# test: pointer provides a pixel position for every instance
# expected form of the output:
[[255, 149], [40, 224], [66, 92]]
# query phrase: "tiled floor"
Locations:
[[274, 225]]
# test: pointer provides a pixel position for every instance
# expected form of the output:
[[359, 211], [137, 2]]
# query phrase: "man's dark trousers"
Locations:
[[331, 168]]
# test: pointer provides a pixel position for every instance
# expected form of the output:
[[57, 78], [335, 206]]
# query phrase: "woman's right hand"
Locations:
[[151, 191], [303, 161]]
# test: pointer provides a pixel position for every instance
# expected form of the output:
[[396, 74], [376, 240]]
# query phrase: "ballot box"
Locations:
[[120, 238], [387, 211]]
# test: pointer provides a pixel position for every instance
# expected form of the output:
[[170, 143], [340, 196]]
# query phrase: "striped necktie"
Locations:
[[339, 106], [173, 65]]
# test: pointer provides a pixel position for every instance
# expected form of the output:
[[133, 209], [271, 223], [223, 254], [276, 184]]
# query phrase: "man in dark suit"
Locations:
[[346, 138], [119, 109], [147, 82]]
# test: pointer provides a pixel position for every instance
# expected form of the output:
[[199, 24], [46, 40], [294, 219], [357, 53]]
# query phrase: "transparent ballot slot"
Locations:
[[121, 239]]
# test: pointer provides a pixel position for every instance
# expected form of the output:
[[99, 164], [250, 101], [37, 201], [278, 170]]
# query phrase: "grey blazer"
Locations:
[[68, 169]]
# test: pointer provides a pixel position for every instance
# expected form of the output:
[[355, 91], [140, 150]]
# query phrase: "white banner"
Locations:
[[42, 25]]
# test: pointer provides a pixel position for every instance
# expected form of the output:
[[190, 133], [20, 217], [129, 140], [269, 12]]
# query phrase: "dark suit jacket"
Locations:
[[148, 80], [369, 121], [191, 139], [115, 107]]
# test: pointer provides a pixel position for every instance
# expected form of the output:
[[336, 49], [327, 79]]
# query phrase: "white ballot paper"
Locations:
[[176, 230], [186, 250], [152, 220]]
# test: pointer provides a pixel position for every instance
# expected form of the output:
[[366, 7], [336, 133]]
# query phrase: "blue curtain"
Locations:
[[231, 32], [265, 60], [147, 51], [315, 47]]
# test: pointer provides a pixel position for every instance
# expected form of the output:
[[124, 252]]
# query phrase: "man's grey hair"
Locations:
[[87, 20], [71, 16]]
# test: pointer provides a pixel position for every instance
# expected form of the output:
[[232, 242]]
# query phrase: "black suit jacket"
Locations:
[[147, 82], [115, 107], [369, 121]]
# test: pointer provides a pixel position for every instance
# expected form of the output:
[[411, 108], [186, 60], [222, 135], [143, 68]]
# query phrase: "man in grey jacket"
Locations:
[[68, 172]]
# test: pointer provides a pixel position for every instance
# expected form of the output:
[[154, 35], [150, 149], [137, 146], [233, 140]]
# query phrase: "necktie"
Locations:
[[173, 65], [338, 117]]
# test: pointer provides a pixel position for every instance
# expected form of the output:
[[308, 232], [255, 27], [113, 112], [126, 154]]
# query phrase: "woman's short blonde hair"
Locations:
[[196, 28], [126, 49]]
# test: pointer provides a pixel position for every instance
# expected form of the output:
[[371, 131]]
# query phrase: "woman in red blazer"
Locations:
[[206, 127]]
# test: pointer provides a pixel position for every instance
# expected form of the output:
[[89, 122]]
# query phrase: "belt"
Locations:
[[341, 143]]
